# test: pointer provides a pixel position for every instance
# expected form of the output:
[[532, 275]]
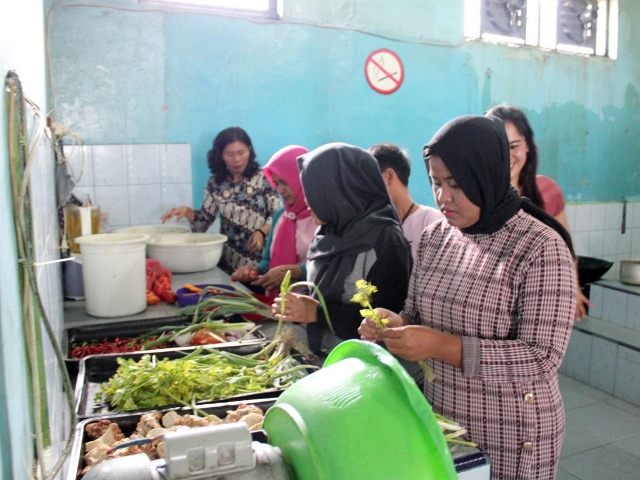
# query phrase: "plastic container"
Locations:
[[113, 273], [80, 221], [189, 297], [72, 272], [360, 416], [187, 252]]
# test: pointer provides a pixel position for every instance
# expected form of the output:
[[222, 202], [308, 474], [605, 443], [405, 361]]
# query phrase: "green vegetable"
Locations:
[[231, 302], [286, 287], [214, 375], [364, 291]]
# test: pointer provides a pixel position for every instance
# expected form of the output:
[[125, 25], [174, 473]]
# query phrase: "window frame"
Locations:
[[272, 12], [542, 25]]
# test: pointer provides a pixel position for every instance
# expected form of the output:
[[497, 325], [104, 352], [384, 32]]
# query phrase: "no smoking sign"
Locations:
[[384, 71]]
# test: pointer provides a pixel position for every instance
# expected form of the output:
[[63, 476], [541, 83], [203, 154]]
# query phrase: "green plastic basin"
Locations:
[[359, 417]]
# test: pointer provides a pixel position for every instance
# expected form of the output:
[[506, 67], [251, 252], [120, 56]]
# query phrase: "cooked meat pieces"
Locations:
[[105, 434], [95, 430], [242, 410], [148, 422]]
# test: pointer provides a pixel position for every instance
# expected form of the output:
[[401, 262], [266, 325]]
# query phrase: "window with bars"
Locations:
[[588, 27]]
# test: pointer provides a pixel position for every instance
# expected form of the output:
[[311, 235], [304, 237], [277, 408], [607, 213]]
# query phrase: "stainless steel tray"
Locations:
[[132, 329], [97, 369], [128, 421]]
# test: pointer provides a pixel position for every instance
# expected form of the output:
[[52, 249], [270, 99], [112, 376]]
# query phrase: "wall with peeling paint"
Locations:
[[130, 73]]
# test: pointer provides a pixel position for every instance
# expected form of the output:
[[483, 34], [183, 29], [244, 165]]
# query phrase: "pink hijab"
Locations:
[[283, 164]]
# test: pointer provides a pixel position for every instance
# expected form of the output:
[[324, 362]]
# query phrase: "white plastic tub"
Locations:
[[153, 230], [114, 273], [187, 252]]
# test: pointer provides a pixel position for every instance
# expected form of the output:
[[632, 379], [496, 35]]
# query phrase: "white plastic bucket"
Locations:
[[114, 273]]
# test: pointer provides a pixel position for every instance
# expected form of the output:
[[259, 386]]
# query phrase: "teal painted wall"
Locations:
[[123, 75]]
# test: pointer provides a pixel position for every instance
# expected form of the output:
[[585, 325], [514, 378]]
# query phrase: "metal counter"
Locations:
[[75, 313]]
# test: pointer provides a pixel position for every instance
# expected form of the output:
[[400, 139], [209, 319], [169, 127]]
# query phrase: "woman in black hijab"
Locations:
[[490, 305], [359, 237]]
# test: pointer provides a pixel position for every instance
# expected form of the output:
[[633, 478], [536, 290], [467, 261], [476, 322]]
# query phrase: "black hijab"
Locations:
[[475, 149], [344, 188]]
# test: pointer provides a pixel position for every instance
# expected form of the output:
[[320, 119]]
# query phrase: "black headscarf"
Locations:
[[344, 188], [475, 149]]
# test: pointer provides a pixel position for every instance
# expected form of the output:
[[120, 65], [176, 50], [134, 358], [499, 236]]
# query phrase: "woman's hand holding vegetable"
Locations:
[[412, 342], [369, 330], [245, 274], [297, 308], [273, 278]]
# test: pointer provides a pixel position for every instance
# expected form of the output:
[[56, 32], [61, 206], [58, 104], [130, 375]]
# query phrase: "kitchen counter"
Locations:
[[471, 463], [76, 315]]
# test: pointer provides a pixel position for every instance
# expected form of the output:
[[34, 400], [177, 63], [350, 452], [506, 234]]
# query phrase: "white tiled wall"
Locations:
[[604, 350], [597, 232], [608, 366], [46, 245], [133, 184]]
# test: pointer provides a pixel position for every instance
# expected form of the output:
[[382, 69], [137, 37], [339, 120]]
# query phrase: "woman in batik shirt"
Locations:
[[240, 193]]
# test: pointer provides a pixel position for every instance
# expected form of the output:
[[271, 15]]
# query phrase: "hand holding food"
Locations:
[[245, 274], [297, 308], [273, 278]]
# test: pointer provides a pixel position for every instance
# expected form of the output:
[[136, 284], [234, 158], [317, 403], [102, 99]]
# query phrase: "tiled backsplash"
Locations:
[[133, 184], [604, 350], [597, 232]]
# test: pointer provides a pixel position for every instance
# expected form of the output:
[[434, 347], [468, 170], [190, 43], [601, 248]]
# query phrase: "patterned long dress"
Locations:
[[244, 206], [511, 297]]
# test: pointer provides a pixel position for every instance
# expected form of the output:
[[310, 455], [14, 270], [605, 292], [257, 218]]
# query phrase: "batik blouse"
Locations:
[[244, 206]]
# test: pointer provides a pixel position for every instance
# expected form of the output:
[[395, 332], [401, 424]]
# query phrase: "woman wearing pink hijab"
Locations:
[[288, 241]]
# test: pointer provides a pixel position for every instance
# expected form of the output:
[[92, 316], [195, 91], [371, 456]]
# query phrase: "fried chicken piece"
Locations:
[[170, 418], [191, 421], [95, 430], [96, 455], [110, 437], [242, 410], [214, 419], [148, 421], [252, 419]]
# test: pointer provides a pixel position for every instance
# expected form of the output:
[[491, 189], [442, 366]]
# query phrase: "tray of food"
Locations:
[[159, 333], [169, 332], [140, 381], [98, 440]]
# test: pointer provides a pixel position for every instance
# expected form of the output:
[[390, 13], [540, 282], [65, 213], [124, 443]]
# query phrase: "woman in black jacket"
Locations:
[[359, 237]]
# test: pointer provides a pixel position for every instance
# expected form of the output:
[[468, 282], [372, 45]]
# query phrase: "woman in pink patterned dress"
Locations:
[[490, 304]]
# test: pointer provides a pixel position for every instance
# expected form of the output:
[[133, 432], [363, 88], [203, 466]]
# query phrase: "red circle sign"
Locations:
[[384, 71]]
